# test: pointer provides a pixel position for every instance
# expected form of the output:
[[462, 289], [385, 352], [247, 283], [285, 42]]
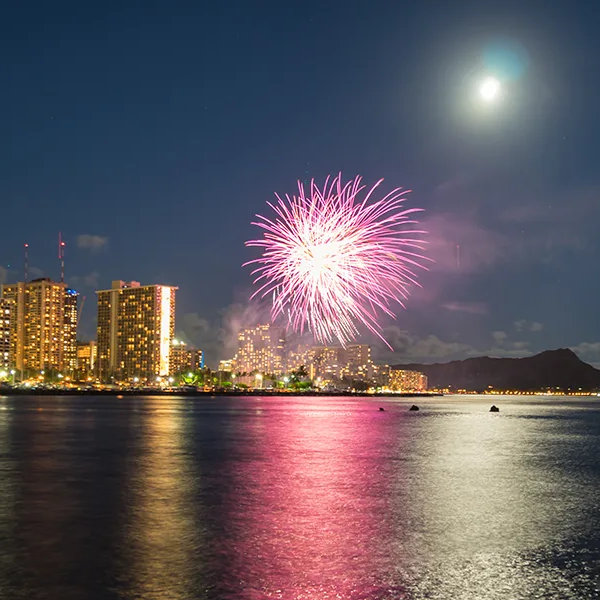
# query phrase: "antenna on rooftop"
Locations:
[[61, 257], [26, 249]]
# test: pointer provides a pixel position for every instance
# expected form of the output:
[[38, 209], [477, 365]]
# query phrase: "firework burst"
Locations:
[[336, 259]]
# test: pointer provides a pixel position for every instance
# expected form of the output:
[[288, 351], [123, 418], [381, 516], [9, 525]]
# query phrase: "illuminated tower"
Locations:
[[136, 325], [6, 317], [43, 325]]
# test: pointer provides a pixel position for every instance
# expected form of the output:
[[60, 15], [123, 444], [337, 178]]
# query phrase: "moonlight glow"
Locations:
[[489, 88], [335, 258]]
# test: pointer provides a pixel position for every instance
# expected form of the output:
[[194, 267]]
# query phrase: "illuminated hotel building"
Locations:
[[299, 357], [6, 311], [407, 381], [260, 349], [136, 324], [183, 358], [359, 364], [86, 357], [327, 362], [43, 325], [226, 366]]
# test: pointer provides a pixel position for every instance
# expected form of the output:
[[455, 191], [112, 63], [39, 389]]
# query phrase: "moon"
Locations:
[[489, 88]]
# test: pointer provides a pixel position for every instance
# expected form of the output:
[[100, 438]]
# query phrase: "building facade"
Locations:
[[359, 364], [6, 312], [407, 381], [327, 362], [260, 349], [43, 327], [183, 358], [87, 353], [136, 325]]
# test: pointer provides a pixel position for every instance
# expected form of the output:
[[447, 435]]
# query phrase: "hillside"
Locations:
[[556, 369]]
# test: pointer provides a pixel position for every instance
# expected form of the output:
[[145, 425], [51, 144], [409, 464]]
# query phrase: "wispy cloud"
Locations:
[[474, 308], [524, 325], [409, 347], [91, 280], [91, 242], [588, 351]]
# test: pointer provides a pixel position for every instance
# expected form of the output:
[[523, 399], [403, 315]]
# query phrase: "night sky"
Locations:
[[150, 133]]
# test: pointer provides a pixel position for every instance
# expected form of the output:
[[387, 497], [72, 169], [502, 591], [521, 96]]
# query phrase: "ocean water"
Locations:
[[311, 498]]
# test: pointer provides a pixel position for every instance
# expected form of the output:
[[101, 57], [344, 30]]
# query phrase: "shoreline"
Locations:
[[196, 393]]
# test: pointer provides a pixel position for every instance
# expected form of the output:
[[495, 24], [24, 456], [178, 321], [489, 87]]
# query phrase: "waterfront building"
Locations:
[[136, 325], [359, 364], [183, 358], [6, 312], [381, 376], [327, 362], [407, 381], [226, 366], [87, 353], [260, 349], [43, 329], [300, 356]]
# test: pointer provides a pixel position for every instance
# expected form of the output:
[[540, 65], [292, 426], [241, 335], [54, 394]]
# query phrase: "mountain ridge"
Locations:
[[559, 369]]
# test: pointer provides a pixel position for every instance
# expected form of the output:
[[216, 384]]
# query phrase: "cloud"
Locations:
[[499, 337], [218, 338], [90, 280], [3, 275], [588, 351], [504, 352], [461, 244], [34, 272], [524, 325], [414, 348], [474, 308], [91, 242]]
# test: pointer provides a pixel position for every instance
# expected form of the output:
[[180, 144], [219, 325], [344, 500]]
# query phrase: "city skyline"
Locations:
[[160, 135]]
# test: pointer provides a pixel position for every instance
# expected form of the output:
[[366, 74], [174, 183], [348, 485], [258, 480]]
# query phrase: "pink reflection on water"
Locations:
[[310, 514]]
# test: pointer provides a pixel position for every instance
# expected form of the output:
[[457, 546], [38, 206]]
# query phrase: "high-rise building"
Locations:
[[43, 325], [407, 381], [327, 362], [183, 358], [260, 349], [297, 357], [359, 364], [136, 325], [6, 312], [87, 353]]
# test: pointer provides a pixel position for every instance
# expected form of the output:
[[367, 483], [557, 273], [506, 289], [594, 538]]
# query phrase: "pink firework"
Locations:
[[336, 259]]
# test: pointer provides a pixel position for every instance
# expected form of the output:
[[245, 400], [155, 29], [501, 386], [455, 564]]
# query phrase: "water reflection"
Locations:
[[310, 517], [308, 498], [162, 541]]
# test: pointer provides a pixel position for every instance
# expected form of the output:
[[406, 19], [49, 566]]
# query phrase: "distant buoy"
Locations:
[[494, 408], [382, 409], [414, 407]]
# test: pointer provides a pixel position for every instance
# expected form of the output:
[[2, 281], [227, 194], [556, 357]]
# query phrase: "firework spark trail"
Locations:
[[333, 262]]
